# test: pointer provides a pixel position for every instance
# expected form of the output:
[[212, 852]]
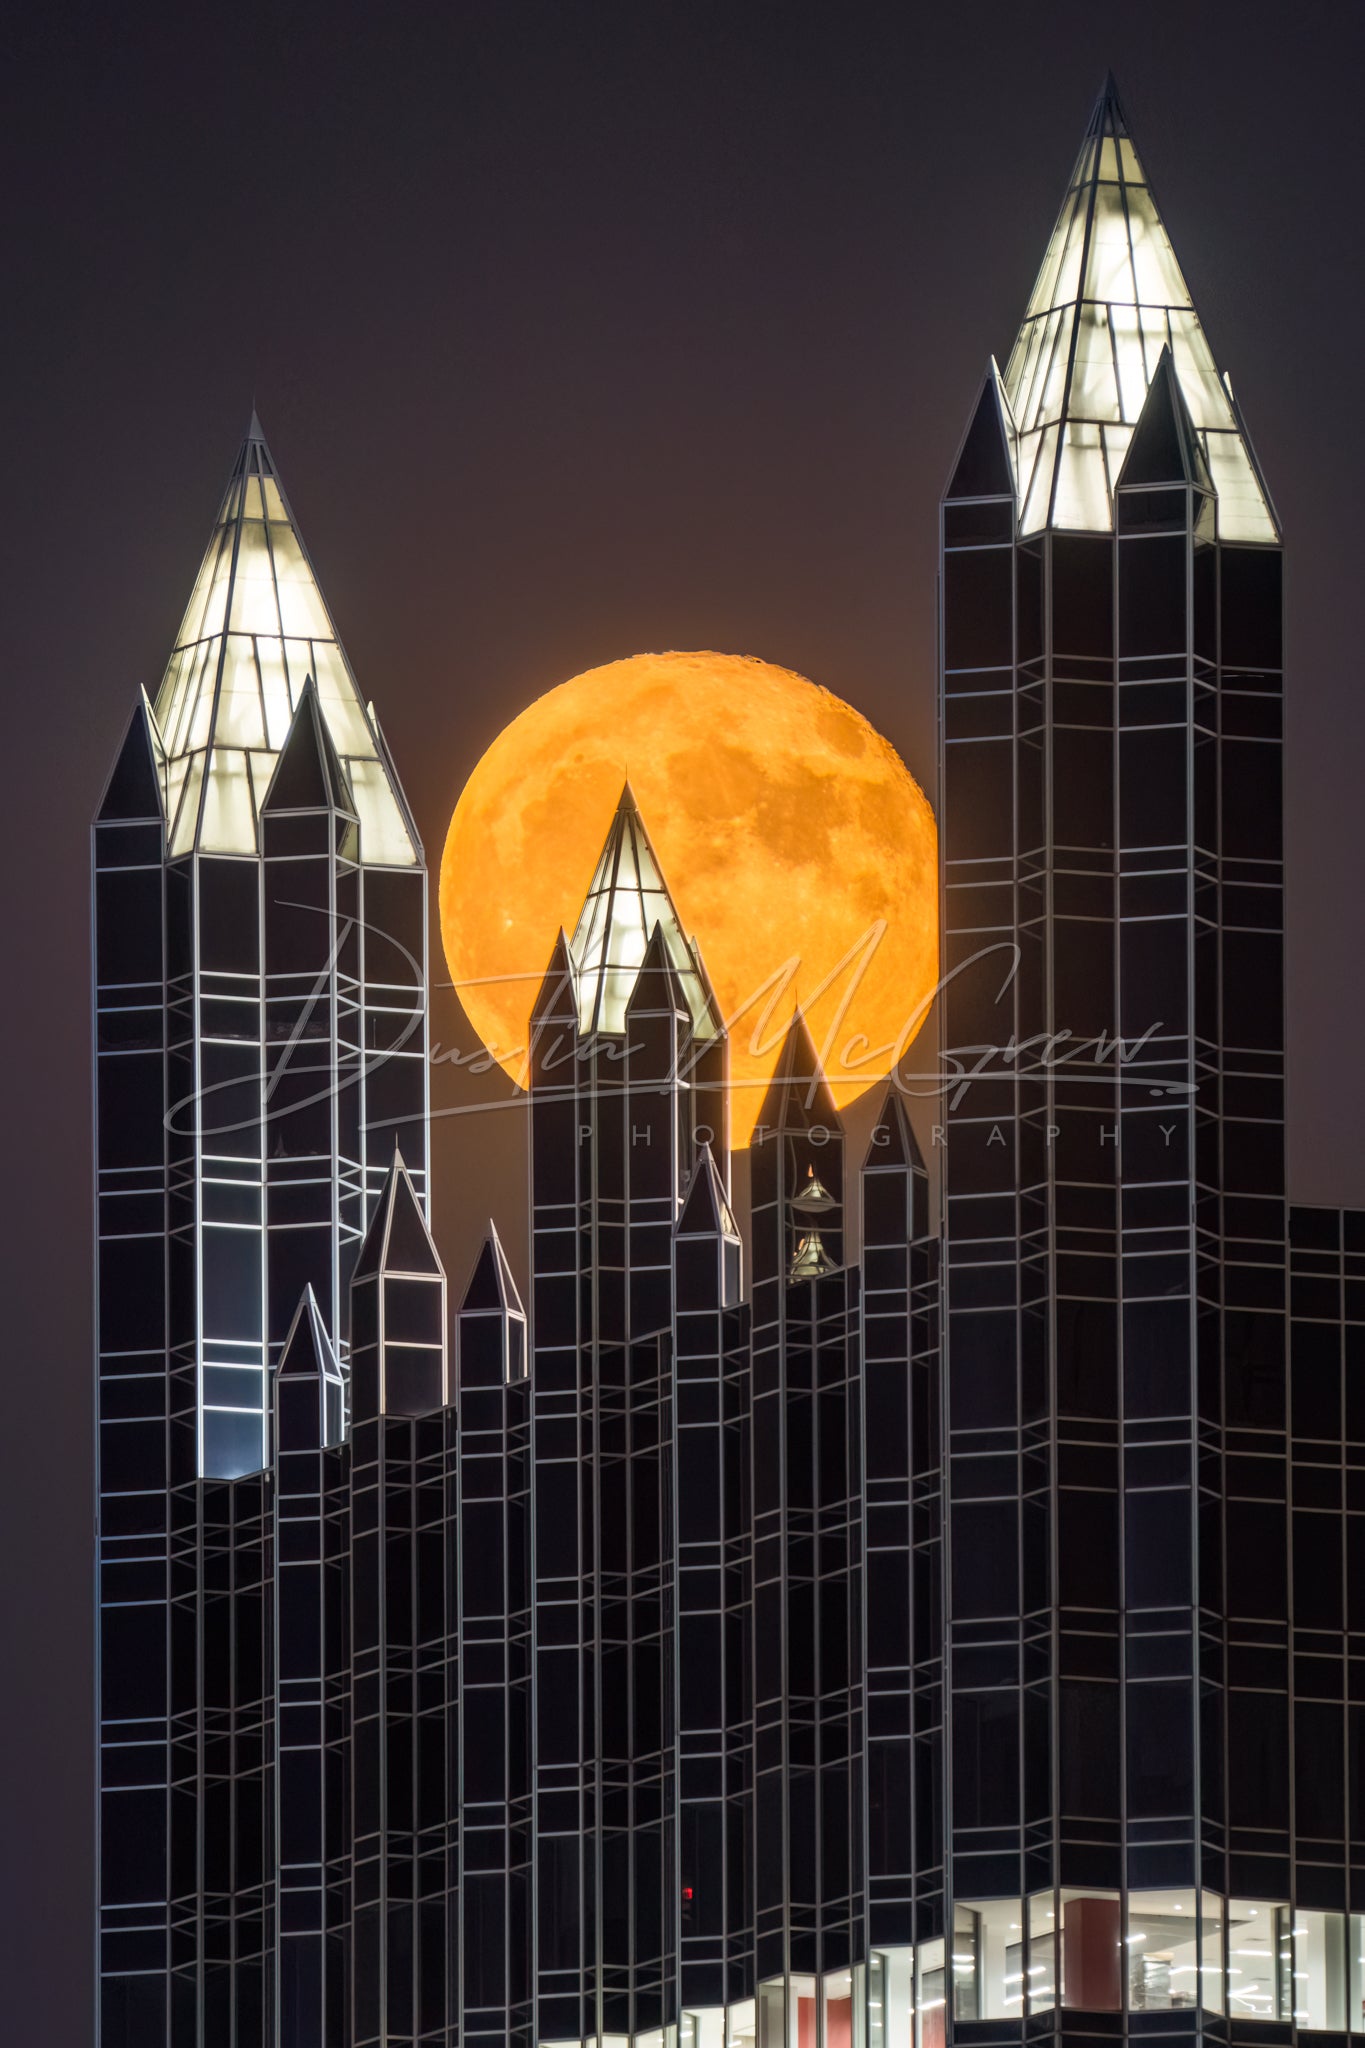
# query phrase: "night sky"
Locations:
[[575, 331]]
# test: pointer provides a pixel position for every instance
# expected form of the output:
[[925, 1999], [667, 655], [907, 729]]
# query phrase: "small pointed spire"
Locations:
[[798, 1095], [987, 461], [555, 1000], [893, 1140], [308, 774], [491, 1324], [310, 1395], [627, 900], [135, 789], [658, 985], [1165, 448], [398, 1309], [308, 1349], [705, 1211], [491, 1287], [1106, 116], [398, 1240]]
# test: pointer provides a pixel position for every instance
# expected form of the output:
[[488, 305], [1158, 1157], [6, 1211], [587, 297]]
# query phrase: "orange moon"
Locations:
[[800, 854]]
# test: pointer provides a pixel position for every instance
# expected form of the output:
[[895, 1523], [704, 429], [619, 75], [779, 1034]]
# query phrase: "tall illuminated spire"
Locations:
[[256, 628], [1109, 298], [627, 898]]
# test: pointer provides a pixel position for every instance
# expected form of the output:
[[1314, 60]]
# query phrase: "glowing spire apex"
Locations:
[[627, 906], [255, 628], [1109, 298]]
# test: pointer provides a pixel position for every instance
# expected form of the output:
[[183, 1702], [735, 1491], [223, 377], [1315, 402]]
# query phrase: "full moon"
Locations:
[[799, 852]]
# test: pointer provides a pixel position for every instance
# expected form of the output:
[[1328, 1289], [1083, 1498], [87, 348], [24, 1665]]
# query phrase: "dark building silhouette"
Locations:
[[927, 1616]]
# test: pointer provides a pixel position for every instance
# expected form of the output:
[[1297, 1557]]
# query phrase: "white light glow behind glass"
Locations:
[[1109, 296], [254, 629], [626, 900]]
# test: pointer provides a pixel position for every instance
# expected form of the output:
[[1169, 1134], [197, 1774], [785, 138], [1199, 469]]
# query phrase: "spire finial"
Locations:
[[1107, 114]]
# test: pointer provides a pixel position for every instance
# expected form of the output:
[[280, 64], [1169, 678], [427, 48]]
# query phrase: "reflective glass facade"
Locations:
[[926, 1617]]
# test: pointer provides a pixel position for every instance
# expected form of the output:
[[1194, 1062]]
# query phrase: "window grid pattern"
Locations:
[[957, 1643]]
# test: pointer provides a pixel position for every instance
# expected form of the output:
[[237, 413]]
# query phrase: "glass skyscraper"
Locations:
[[927, 1615]]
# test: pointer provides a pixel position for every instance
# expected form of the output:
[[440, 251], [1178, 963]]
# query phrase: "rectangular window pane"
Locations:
[[1162, 1945], [1042, 1952], [1355, 1959], [1320, 1970], [929, 1994], [1212, 1961], [891, 1999], [1260, 1959]]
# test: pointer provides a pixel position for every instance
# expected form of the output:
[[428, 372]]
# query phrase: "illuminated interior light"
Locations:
[[255, 628]]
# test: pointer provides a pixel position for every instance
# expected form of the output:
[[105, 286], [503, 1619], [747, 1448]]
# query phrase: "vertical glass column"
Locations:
[[1260, 1959], [930, 1994], [1041, 1964], [891, 1998], [1320, 1972]]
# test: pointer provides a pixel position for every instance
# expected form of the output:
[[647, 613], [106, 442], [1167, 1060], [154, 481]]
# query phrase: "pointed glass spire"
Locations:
[[255, 628], [491, 1286], [398, 1239], [1165, 448], [1109, 298], [137, 780], [798, 1095], [491, 1322], [893, 1140], [706, 1211], [314, 1412], [626, 900], [308, 776], [987, 462], [308, 1349]]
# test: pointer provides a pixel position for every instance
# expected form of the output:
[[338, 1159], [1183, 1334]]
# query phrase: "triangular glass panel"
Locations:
[[308, 774], [307, 1349], [409, 1248], [134, 788], [705, 1211], [798, 1096], [893, 1139], [1164, 448], [657, 983], [626, 903], [555, 999], [491, 1286], [985, 468]]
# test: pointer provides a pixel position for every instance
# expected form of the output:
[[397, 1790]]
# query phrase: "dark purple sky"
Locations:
[[575, 330]]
